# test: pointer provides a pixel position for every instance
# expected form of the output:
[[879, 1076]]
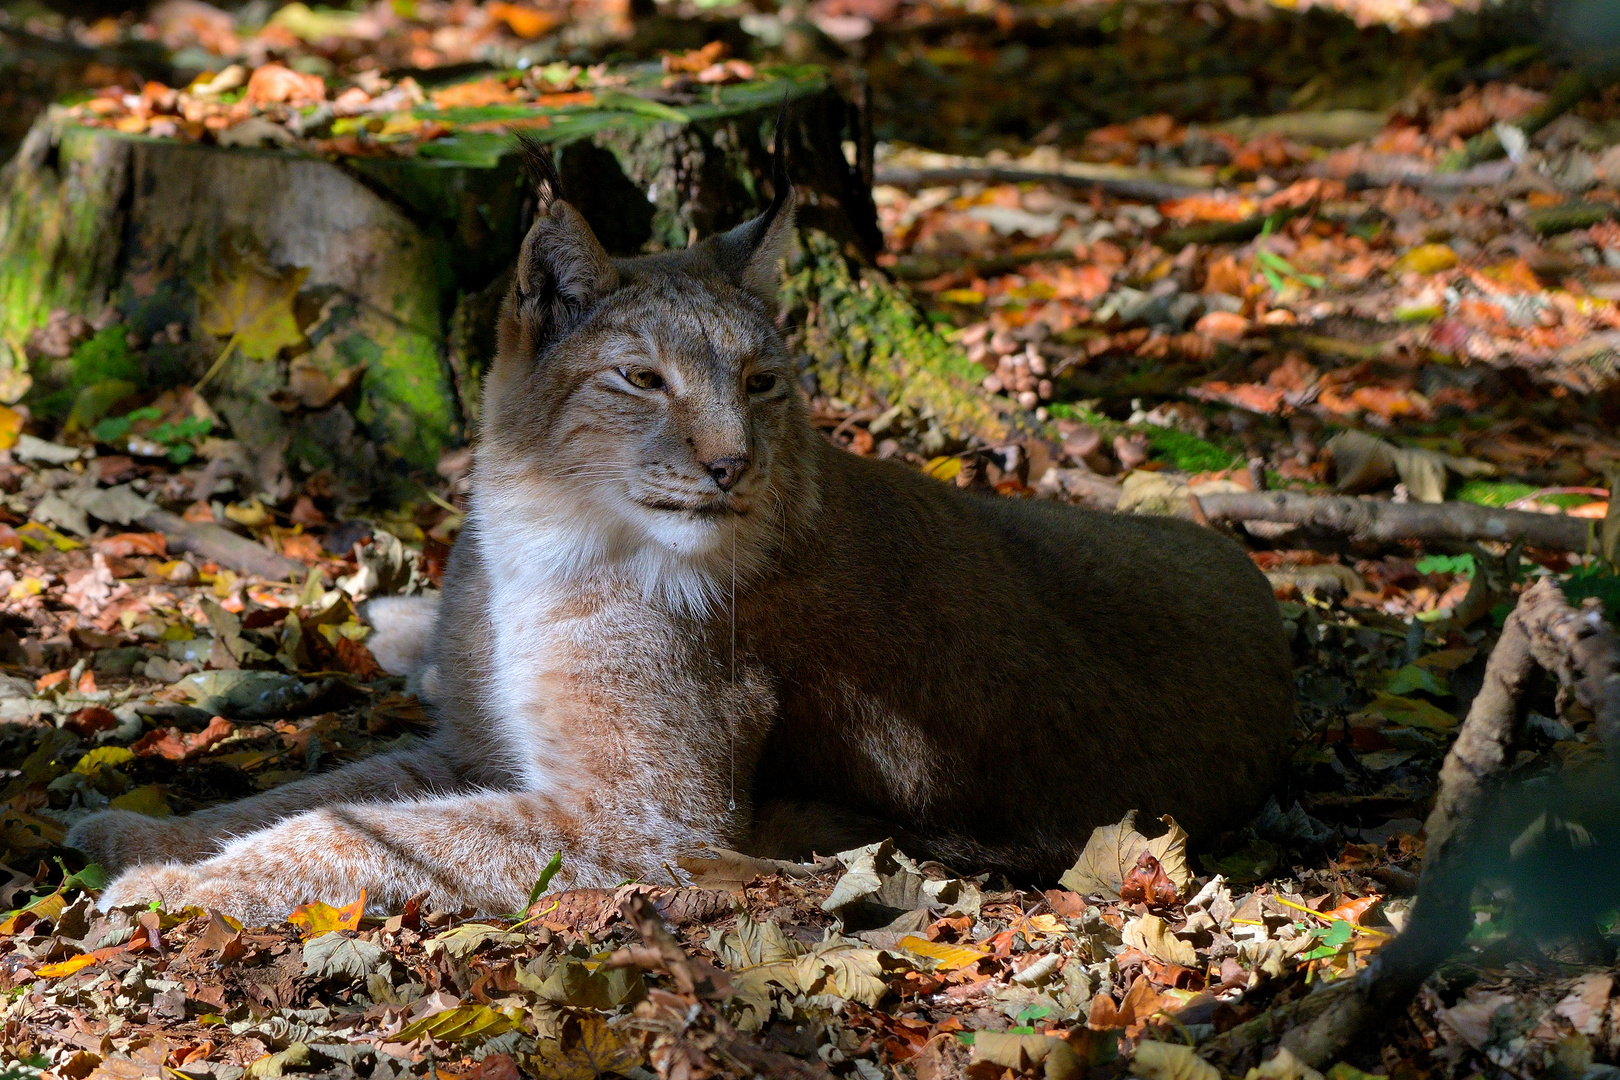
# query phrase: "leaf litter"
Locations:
[[1364, 324]]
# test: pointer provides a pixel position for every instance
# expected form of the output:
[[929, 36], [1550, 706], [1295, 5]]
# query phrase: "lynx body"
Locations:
[[679, 616]]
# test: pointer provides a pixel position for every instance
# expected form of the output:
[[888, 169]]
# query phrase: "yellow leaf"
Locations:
[[962, 296], [147, 799], [11, 423], [946, 957], [944, 468], [452, 1025], [316, 918], [38, 537], [251, 513], [593, 1050], [1408, 712], [251, 304], [66, 967], [1427, 259], [28, 586], [46, 907], [101, 757]]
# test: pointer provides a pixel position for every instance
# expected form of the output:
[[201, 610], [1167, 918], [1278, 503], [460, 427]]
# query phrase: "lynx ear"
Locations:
[[561, 268], [752, 253]]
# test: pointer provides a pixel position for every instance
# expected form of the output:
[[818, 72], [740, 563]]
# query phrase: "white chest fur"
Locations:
[[571, 591]]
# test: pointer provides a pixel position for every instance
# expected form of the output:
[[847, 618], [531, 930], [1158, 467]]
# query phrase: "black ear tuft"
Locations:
[[752, 252], [540, 167], [781, 181]]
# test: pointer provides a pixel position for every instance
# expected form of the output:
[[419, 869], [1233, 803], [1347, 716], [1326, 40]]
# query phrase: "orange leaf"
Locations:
[[1223, 326], [949, 957], [472, 95], [525, 22], [124, 545], [357, 660], [564, 100], [1351, 911], [274, 83], [55, 678], [316, 918]]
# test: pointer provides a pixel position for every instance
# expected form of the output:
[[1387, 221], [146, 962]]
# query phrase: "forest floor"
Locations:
[[1311, 303]]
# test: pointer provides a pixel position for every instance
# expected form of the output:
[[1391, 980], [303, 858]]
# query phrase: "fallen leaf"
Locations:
[[273, 84], [474, 95], [123, 545], [589, 1050], [11, 425], [1427, 259], [1171, 1061], [1223, 326], [522, 20], [334, 954], [251, 305], [1113, 850], [316, 918], [945, 957], [1024, 1054], [1148, 884], [1152, 936]]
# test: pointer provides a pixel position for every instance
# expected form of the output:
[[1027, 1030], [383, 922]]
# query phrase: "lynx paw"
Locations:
[[176, 887], [119, 838], [167, 883]]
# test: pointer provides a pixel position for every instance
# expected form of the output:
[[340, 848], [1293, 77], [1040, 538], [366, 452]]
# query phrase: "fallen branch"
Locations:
[[222, 546], [923, 268], [1228, 232], [1577, 647], [1569, 92], [1142, 188], [1385, 522]]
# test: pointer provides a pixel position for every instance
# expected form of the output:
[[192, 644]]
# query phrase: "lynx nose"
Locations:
[[727, 471]]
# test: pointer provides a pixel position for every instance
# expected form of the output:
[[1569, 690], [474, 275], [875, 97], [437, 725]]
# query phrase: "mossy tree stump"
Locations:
[[388, 270], [395, 264]]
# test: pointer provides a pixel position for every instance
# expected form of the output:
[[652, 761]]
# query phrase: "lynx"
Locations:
[[678, 616]]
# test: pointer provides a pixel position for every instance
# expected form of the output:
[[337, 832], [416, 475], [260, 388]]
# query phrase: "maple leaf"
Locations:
[[250, 305], [316, 918]]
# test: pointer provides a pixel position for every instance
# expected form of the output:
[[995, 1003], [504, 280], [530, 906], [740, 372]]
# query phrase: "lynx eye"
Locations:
[[762, 383], [642, 379]]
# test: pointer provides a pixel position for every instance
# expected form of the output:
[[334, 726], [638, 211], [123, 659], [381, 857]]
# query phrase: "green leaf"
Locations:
[[642, 106], [1412, 677], [544, 879], [1446, 564]]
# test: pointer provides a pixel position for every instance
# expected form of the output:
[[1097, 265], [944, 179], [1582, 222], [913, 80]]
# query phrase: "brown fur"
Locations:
[[986, 679]]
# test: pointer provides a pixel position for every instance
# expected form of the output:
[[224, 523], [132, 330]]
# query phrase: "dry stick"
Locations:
[[1580, 649], [1386, 522], [1139, 189], [221, 546]]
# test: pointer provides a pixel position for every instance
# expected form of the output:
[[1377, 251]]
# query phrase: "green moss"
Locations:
[[59, 230], [866, 339], [1493, 492], [1189, 453], [104, 361]]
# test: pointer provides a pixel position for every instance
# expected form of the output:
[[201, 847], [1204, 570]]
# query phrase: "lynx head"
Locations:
[[643, 413]]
